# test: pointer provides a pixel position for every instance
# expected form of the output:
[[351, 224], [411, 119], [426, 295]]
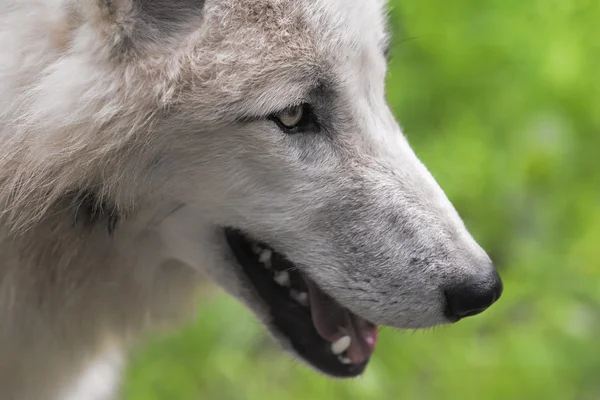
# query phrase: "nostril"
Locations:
[[472, 297]]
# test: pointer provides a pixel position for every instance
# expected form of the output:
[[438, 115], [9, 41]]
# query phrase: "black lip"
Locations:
[[288, 317]]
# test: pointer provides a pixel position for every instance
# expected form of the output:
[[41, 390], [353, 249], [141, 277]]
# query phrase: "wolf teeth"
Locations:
[[265, 257], [344, 360], [282, 278], [300, 297], [340, 345]]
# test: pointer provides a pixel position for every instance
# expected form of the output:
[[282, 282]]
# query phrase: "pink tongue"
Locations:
[[333, 321]]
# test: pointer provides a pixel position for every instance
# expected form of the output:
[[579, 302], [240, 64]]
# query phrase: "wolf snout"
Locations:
[[473, 296]]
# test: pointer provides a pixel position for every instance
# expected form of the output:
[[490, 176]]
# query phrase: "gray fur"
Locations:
[[162, 116]]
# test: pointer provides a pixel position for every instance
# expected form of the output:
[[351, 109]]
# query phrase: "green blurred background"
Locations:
[[501, 100]]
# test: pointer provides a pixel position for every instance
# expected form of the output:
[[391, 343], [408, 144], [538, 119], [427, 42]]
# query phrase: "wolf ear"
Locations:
[[147, 21], [167, 16]]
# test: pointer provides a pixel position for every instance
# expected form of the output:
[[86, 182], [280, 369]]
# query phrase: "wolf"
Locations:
[[146, 145]]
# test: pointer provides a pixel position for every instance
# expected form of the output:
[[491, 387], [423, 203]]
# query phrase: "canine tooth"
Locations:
[[265, 256], [344, 360], [340, 345], [300, 297], [282, 278]]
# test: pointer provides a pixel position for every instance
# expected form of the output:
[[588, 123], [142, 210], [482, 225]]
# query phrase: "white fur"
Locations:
[[150, 117]]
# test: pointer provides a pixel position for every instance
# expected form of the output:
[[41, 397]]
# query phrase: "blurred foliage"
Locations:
[[501, 100]]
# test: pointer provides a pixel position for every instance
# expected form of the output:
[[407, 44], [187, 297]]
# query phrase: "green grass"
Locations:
[[501, 100]]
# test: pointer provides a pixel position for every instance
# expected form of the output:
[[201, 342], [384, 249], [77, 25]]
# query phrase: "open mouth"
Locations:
[[330, 337]]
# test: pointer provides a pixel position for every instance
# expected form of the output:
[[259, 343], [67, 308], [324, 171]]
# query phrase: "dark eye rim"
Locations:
[[308, 122]]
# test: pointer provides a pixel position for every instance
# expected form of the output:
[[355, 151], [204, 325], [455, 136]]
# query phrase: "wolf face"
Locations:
[[258, 134], [333, 222]]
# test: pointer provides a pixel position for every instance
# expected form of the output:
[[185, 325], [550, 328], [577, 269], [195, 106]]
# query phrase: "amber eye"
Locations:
[[291, 116], [296, 119]]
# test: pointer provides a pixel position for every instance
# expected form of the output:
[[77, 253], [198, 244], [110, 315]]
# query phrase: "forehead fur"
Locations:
[[231, 52], [245, 46]]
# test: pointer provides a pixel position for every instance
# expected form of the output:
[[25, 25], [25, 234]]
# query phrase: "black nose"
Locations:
[[474, 296]]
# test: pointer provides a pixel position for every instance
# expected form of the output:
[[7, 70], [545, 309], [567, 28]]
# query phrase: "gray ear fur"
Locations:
[[167, 17], [132, 25]]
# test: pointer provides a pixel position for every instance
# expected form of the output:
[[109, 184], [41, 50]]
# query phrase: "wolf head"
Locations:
[[266, 123]]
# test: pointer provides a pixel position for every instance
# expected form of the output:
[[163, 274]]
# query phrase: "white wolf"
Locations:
[[144, 143]]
